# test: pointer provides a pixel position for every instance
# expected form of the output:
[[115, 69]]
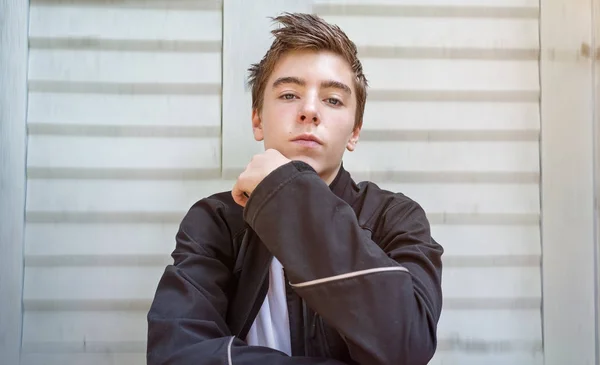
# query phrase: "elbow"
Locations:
[[421, 342], [422, 350], [417, 347], [418, 350]]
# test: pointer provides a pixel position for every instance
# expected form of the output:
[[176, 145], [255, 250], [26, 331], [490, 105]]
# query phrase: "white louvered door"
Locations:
[[452, 120], [124, 135]]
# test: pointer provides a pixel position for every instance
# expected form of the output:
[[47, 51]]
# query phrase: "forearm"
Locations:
[[185, 326], [312, 232], [384, 303], [186, 321]]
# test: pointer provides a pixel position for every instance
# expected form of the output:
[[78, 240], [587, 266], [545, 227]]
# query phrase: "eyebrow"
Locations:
[[289, 80], [331, 84], [328, 84]]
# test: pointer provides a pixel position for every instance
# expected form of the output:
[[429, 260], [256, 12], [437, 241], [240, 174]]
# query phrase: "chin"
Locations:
[[309, 160]]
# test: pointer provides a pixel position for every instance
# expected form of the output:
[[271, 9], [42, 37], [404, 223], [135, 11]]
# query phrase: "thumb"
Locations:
[[239, 196]]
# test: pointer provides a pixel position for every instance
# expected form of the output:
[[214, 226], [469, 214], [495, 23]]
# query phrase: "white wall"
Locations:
[[570, 244], [13, 104], [128, 126], [453, 121], [124, 124]]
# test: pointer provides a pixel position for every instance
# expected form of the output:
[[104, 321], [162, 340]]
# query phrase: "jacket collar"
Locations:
[[343, 186]]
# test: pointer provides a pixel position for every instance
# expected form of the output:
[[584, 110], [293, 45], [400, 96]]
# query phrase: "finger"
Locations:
[[239, 196], [240, 199]]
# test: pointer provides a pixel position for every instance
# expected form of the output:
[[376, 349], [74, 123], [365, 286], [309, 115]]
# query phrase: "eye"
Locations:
[[288, 96], [334, 101]]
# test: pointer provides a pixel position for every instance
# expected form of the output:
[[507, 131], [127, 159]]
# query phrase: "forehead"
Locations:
[[313, 66]]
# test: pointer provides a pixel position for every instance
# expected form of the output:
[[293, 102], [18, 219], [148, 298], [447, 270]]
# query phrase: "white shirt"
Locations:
[[271, 328]]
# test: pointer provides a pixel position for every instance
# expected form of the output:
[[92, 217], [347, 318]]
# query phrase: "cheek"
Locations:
[[276, 121], [280, 117], [342, 126]]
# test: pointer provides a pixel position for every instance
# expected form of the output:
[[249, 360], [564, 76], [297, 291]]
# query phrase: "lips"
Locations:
[[309, 139]]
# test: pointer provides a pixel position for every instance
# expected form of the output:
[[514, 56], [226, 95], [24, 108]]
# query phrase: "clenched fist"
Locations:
[[259, 167]]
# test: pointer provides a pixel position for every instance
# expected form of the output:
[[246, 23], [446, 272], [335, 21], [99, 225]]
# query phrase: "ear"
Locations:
[[257, 125], [353, 139]]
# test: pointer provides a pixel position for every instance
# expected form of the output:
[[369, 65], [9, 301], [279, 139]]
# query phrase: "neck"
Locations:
[[329, 175]]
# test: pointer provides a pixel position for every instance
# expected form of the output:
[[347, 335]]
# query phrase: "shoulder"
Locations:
[[218, 211], [385, 198], [389, 207]]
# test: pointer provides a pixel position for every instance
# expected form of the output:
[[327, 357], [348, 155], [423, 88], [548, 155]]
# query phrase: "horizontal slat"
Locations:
[[119, 196], [462, 345], [467, 53], [107, 260], [138, 4], [128, 110], [476, 198], [135, 217], [163, 259], [488, 240], [131, 326], [491, 325], [98, 283], [462, 357], [230, 174], [105, 358], [377, 95], [448, 135], [95, 305], [132, 217], [429, 177], [90, 130], [484, 218], [441, 11], [102, 305], [448, 116], [507, 282], [471, 261], [159, 239], [458, 3], [469, 304], [104, 44], [125, 152], [174, 196], [120, 88], [92, 239], [458, 177], [444, 156], [439, 32], [124, 67], [91, 326], [471, 96], [79, 173], [388, 74], [479, 354], [116, 22]]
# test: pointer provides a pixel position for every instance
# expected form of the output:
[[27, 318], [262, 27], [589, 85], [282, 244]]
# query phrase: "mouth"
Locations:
[[309, 140]]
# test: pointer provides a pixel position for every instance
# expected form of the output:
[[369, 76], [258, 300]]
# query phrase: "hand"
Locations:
[[259, 167]]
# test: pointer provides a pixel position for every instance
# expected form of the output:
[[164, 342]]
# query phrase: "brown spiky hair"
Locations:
[[300, 31]]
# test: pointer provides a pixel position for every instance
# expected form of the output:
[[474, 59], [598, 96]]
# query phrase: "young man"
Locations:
[[298, 264]]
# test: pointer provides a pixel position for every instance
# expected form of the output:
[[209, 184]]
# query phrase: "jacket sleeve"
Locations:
[[384, 298], [186, 321]]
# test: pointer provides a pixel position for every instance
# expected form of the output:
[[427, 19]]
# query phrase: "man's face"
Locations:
[[309, 110]]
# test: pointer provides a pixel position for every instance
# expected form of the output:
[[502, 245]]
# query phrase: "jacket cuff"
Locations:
[[271, 184]]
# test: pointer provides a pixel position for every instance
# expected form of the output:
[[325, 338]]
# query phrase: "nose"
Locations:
[[309, 112]]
